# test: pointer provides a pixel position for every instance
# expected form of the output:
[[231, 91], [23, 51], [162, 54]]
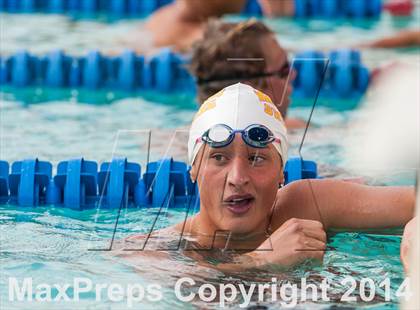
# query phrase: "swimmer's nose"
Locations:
[[238, 173]]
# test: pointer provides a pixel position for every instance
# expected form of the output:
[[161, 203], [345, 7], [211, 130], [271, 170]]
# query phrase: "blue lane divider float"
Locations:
[[4, 181], [28, 182], [133, 8], [298, 169], [78, 185], [118, 8], [345, 77], [162, 174], [166, 72], [330, 9], [118, 182], [75, 184]]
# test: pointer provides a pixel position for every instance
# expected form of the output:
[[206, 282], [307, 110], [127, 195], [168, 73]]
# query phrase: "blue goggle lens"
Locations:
[[258, 134]]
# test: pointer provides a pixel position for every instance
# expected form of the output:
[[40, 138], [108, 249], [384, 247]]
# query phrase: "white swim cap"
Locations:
[[237, 106]]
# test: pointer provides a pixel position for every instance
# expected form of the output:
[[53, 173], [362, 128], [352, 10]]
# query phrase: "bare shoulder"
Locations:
[[306, 186], [300, 190], [339, 203], [303, 199]]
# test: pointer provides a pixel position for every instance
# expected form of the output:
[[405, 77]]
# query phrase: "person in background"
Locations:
[[275, 8], [406, 38], [247, 52], [181, 23]]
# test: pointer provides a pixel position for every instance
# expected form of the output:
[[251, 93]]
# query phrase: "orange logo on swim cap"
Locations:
[[262, 97], [208, 104], [215, 96]]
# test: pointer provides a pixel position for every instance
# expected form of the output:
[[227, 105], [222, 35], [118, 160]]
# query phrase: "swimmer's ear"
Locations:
[[281, 178], [193, 173], [195, 167]]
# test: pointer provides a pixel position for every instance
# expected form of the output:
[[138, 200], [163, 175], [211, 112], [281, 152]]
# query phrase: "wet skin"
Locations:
[[240, 195], [238, 185]]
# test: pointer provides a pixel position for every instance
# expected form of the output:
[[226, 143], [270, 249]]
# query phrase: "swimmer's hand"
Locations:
[[407, 243], [292, 243]]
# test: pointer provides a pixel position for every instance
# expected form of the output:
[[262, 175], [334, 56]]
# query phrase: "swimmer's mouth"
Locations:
[[239, 204]]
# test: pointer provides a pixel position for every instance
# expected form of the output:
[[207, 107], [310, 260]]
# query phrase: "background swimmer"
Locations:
[[275, 8], [187, 19], [181, 23], [406, 38], [247, 52]]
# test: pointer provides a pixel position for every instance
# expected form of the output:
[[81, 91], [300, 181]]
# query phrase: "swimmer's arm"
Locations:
[[254, 260], [339, 204], [403, 39], [239, 263], [274, 8]]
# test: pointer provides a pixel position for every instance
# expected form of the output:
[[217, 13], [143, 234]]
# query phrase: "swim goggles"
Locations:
[[281, 73], [221, 135]]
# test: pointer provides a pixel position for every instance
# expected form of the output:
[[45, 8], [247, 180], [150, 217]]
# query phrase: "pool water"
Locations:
[[52, 244]]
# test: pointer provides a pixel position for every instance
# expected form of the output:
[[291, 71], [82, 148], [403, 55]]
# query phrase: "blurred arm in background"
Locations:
[[406, 38], [275, 8], [182, 22]]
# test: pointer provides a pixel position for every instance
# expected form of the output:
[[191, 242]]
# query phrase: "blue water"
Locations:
[[53, 245]]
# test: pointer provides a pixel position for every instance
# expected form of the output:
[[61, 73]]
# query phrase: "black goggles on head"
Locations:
[[281, 73]]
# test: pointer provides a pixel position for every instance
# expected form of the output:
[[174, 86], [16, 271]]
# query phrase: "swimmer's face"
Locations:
[[238, 185], [278, 89]]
